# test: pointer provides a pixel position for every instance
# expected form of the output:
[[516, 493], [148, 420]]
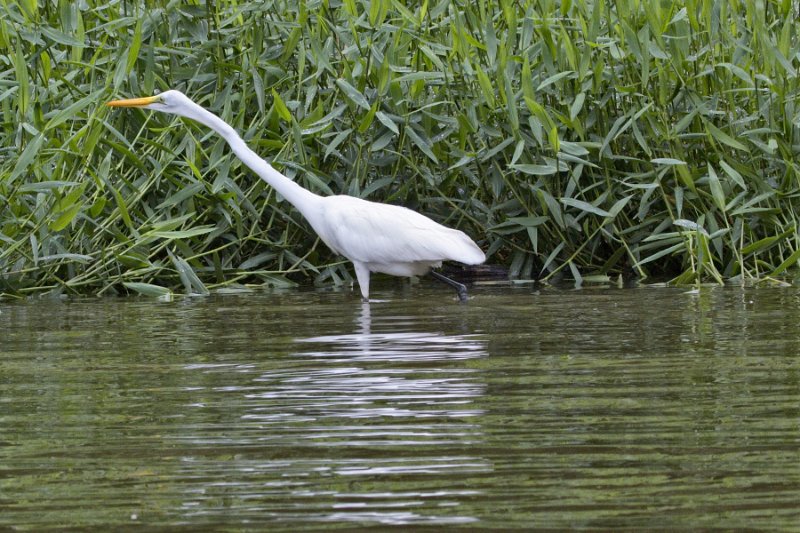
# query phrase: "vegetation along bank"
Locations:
[[574, 138]]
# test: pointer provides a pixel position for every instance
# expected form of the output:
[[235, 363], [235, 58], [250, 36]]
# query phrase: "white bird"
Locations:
[[375, 237]]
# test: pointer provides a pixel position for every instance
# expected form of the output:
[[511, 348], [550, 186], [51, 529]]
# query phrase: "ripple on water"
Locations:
[[554, 409]]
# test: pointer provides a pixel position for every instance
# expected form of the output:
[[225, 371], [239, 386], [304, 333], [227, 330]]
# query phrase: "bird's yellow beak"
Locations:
[[133, 102]]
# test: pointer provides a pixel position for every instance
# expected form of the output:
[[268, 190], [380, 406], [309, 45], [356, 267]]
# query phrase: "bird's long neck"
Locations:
[[304, 200]]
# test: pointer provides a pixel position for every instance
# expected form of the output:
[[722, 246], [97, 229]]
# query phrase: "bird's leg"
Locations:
[[459, 287], [362, 273]]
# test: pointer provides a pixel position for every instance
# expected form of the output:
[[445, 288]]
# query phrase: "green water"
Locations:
[[608, 408]]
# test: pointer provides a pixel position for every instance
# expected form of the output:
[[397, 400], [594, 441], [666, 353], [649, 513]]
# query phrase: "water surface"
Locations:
[[607, 408]]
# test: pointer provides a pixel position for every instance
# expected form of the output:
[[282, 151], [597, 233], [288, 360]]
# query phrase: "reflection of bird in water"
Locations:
[[390, 366], [375, 237], [395, 340], [365, 319]]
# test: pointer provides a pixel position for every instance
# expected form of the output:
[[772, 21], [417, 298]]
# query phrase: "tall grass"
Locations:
[[574, 137]]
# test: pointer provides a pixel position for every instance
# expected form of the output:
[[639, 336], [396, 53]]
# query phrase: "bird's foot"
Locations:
[[460, 288], [462, 293]]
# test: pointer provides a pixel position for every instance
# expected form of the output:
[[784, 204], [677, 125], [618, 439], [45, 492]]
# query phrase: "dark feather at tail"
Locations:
[[473, 273]]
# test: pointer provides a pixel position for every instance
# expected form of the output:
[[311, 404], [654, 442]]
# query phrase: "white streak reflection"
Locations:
[[389, 404], [391, 343]]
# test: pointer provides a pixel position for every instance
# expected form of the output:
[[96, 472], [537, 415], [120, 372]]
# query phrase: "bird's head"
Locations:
[[174, 102], [177, 103]]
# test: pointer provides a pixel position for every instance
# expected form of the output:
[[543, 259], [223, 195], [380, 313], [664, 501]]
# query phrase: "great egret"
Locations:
[[375, 237]]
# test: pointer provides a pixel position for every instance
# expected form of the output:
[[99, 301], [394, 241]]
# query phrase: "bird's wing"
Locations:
[[370, 232]]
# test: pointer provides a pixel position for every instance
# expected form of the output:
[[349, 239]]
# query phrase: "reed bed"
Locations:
[[576, 138]]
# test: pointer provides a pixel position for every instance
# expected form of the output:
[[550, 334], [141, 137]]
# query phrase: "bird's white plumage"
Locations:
[[356, 229], [375, 237]]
